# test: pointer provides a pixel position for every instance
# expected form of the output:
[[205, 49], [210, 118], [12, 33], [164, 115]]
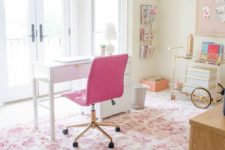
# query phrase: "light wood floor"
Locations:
[[22, 111]]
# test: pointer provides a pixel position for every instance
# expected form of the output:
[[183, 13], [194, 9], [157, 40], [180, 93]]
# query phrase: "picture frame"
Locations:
[[147, 18], [210, 18], [148, 13], [145, 34]]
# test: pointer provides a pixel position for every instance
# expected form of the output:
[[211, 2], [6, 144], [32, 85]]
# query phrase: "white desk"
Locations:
[[53, 73]]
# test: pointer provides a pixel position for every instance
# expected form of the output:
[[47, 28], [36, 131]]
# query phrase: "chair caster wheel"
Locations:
[[65, 131], [75, 144], [111, 145], [117, 129]]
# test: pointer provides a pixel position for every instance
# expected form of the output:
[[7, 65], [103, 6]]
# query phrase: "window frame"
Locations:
[[122, 27]]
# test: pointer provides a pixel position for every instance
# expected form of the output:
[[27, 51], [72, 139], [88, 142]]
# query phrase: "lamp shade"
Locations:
[[110, 32]]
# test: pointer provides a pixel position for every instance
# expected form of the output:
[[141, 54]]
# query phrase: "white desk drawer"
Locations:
[[69, 73], [123, 104]]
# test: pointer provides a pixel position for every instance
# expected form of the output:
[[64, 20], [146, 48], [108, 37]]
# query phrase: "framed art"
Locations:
[[148, 13], [147, 18], [210, 18]]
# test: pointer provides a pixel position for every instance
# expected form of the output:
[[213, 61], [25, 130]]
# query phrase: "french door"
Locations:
[[32, 30]]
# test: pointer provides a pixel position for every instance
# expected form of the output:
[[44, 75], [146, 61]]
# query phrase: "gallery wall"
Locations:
[[141, 68]]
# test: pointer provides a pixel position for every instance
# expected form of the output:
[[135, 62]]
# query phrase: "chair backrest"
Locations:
[[105, 80]]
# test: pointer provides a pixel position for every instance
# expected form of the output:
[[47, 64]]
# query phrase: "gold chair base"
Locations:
[[93, 124]]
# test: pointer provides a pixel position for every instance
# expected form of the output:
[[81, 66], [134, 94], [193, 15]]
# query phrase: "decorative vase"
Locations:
[[102, 50], [110, 49], [190, 45]]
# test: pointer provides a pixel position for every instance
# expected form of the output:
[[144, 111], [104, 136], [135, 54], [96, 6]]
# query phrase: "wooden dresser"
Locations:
[[208, 130]]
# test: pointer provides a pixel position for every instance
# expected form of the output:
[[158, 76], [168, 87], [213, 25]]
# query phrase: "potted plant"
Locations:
[[103, 46]]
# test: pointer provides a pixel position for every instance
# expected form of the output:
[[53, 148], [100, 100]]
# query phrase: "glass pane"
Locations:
[[53, 29], [18, 52], [106, 11]]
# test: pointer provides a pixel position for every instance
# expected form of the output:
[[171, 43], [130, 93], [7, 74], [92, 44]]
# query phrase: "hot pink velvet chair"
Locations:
[[105, 82]]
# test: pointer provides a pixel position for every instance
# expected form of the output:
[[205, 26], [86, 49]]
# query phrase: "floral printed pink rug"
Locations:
[[162, 125]]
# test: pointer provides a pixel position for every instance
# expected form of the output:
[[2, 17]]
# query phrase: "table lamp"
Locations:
[[110, 34]]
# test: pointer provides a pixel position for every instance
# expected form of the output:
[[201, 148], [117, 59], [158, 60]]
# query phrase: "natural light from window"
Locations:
[[105, 11]]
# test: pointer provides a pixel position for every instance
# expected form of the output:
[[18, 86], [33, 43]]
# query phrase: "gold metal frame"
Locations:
[[93, 124]]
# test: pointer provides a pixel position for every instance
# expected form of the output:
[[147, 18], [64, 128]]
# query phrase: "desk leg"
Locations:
[[35, 103], [52, 115]]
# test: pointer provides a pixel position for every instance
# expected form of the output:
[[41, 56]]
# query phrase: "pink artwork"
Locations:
[[147, 18], [145, 49], [210, 18], [213, 51], [146, 34], [148, 13], [206, 12]]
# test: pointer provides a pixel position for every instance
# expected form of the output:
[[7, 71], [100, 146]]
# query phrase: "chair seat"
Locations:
[[78, 97]]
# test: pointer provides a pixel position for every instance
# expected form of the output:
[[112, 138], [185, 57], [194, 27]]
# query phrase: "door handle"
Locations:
[[32, 33], [41, 33]]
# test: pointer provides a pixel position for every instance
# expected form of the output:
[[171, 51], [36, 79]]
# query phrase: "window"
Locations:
[[88, 21], [108, 11]]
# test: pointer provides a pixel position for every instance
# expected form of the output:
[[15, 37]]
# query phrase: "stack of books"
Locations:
[[199, 76]]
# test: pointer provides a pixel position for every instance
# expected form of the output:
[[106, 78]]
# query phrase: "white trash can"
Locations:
[[139, 96]]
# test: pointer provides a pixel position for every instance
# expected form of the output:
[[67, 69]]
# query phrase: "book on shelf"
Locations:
[[212, 51], [201, 71], [189, 88], [201, 75], [202, 78], [201, 83]]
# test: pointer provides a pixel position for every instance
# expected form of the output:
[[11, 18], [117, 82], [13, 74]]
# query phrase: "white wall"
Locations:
[[141, 68], [175, 21]]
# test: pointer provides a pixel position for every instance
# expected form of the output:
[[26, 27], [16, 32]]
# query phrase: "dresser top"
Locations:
[[212, 120]]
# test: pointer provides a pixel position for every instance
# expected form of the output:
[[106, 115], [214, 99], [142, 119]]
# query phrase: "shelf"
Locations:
[[196, 59]]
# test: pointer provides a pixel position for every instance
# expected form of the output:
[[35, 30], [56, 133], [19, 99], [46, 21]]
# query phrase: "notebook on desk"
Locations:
[[72, 59]]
